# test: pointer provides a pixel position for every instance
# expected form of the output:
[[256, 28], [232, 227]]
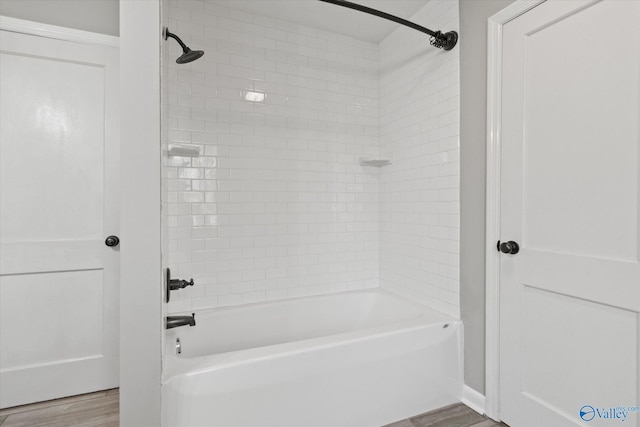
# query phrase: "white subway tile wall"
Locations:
[[419, 192], [277, 205]]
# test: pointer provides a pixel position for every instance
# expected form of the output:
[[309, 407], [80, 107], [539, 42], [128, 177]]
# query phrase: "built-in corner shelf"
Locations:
[[183, 150], [375, 161]]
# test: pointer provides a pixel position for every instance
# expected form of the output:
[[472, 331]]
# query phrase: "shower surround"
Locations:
[[277, 205]]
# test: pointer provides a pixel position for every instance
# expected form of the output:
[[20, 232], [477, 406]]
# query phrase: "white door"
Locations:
[[570, 193], [59, 314]]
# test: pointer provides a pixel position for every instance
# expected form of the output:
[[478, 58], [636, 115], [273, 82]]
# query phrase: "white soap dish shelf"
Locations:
[[375, 161], [183, 150]]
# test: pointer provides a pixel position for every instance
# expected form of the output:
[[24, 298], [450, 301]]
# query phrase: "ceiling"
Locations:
[[333, 18]]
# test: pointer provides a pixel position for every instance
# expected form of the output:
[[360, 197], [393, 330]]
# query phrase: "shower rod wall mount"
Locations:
[[445, 41]]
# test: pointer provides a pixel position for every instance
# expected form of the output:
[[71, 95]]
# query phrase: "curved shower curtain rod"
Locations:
[[446, 41]]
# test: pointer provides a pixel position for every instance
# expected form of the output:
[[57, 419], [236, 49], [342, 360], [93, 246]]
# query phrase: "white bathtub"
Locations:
[[353, 359]]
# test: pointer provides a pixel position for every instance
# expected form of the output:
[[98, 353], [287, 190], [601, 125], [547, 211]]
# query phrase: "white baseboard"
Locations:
[[473, 399]]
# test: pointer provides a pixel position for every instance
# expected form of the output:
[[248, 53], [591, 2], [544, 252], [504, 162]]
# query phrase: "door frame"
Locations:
[[32, 28], [493, 199]]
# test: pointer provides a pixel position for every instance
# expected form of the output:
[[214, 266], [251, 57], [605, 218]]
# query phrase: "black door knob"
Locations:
[[509, 247], [112, 241]]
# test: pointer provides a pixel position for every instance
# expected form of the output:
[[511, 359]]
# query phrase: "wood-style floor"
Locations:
[[101, 410], [457, 415], [98, 409]]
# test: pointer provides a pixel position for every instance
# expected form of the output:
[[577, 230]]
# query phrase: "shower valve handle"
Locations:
[[179, 284]]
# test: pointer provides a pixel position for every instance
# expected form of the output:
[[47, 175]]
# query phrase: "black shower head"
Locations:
[[188, 55]]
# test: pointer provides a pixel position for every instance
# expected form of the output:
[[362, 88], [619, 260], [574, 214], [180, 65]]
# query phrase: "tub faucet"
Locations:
[[175, 321]]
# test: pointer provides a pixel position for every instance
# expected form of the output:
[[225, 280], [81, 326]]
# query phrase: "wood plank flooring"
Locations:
[[100, 409], [457, 415]]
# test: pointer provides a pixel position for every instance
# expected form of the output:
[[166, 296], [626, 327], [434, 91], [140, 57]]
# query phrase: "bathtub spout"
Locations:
[[175, 321]]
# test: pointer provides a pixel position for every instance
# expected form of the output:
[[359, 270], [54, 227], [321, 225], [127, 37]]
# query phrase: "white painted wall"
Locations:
[[277, 205], [98, 16], [419, 192], [141, 273]]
